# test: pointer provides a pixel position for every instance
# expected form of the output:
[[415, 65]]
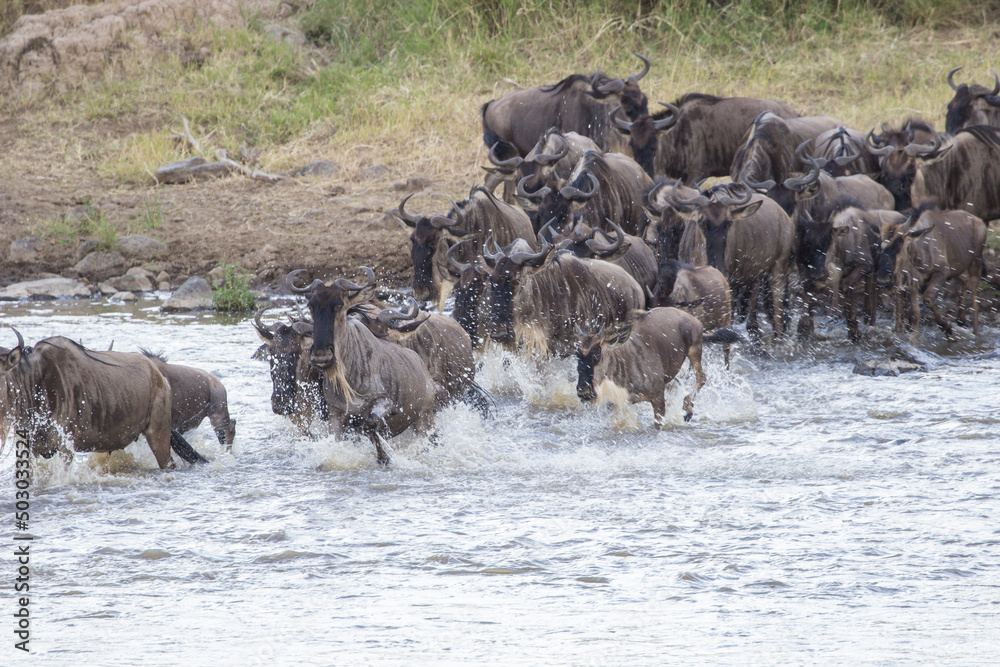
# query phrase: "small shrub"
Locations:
[[233, 295]]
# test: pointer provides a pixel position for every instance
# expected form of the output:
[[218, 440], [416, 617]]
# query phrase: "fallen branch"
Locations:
[[185, 137], [222, 156]]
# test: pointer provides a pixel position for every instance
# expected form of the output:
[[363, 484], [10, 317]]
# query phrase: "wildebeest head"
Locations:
[[510, 264], [714, 212], [587, 242], [537, 164], [893, 241], [972, 105], [559, 207], [329, 306], [633, 100], [590, 351], [642, 133], [430, 240], [841, 150], [470, 282], [287, 346], [898, 151]]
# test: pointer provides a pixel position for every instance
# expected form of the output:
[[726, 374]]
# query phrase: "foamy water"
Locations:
[[805, 515]]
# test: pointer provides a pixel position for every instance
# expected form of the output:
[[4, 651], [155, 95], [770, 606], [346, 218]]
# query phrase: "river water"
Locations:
[[806, 515]]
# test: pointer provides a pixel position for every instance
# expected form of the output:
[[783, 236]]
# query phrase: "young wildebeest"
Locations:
[[96, 401], [371, 386], [853, 256], [643, 358], [196, 394], [296, 387], [919, 257]]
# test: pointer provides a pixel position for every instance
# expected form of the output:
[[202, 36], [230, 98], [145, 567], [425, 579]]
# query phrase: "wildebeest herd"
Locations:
[[606, 243]]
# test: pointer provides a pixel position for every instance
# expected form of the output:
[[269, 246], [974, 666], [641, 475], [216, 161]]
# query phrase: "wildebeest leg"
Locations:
[[849, 286], [930, 298], [753, 326], [375, 425], [694, 357], [659, 406], [225, 428], [871, 299], [975, 275], [158, 433], [778, 284], [184, 449]]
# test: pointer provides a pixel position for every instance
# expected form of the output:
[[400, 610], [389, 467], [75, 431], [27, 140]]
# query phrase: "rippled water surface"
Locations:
[[805, 515]]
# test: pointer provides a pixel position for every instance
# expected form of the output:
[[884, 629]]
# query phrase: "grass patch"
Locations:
[[84, 222], [151, 217], [233, 295]]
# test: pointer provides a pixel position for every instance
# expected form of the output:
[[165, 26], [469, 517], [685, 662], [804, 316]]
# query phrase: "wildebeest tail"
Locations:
[[184, 449], [724, 335], [481, 400]]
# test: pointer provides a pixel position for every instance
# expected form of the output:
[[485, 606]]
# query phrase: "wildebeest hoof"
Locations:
[[687, 416]]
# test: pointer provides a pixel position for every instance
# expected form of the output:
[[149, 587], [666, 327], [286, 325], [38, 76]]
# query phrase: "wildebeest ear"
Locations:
[[13, 358], [458, 233], [746, 210], [261, 353], [367, 294], [917, 233]]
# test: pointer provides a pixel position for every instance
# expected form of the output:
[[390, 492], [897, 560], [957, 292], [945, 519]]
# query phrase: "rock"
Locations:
[[106, 289], [85, 249], [124, 296], [61, 49], [192, 169], [374, 172], [914, 355], [194, 294], [131, 283], [162, 277], [24, 251], [47, 288], [884, 367], [279, 33], [318, 168], [338, 190], [412, 184], [163, 286], [141, 247], [140, 271], [98, 266]]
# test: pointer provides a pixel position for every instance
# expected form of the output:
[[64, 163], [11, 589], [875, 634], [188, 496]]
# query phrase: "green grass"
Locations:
[[407, 78], [88, 223], [233, 295], [151, 217]]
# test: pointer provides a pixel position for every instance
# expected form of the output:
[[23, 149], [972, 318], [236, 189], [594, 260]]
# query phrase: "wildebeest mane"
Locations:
[[85, 351], [566, 83], [987, 134], [843, 203], [154, 355], [690, 97]]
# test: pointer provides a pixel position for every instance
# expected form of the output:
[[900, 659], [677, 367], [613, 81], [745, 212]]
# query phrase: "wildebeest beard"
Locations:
[[585, 364], [325, 305], [423, 257], [715, 244], [887, 262], [502, 285]]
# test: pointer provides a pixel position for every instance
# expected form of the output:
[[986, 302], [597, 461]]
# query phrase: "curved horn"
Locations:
[[996, 83], [345, 284], [546, 230], [607, 248], [697, 201], [645, 68], [545, 159], [623, 125], [494, 256], [611, 86], [653, 196], [290, 282], [410, 219], [531, 258], [670, 120], [951, 74], [800, 151], [456, 265], [508, 166], [576, 194], [726, 197], [918, 150], [811, 177], [440, 221], [259, 326], [20, 339], [753, 184], [531, 196], [389, 315], [878, 152]]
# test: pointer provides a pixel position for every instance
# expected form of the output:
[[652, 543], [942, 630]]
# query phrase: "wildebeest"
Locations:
[[815, 194], [627, 251], [643, 357], [972, 105], [548, 164], [853, 257], [538, 299], [896, 150], [767, 150], [748, 237], [371, 386], [844, 150], [440, 342], [603, 186], [920, 256], [94, 401], [196, 394], [963, 175], [697, 137], [477, 217], [579, 103], [472, 294], [296, 387], [700, 290]]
